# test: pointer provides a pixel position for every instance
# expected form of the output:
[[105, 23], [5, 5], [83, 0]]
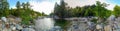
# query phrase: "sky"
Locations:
[[47, 6]]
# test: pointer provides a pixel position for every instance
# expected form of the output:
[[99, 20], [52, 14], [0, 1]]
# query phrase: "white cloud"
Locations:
[[74, 3], [43, 6], [13, 7], [111, 7], [47, 6]]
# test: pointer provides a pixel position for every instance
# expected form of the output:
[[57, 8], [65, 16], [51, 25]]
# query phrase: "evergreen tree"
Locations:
[[4, 8], [26, 6], [56, 9], [18, 5], [60, 10], [18, 11]]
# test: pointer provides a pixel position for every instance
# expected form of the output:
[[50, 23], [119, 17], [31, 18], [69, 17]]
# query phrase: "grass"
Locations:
[[61, 22]]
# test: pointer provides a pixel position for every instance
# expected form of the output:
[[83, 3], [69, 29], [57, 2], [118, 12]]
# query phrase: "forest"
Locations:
[[96, 10], [22, 10]]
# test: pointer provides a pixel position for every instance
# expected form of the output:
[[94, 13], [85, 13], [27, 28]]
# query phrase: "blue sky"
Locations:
[[47, 6], [114, 1], [12, 3]]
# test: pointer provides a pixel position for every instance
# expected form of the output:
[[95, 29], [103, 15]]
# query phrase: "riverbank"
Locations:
[[12, 23]]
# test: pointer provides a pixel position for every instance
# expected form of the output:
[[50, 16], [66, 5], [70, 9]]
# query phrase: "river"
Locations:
[[44, 24]]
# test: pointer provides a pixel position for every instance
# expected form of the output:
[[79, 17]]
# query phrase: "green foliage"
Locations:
[[18, 5], [60, 10], [22, 10], [97, 10], [76, 12], [26, 13], [94, 20], [4, 8], [85, 11], [100, 10], [26, 19], [61, 22], [116, 11]]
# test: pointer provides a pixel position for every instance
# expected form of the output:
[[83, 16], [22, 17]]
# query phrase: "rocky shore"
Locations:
[[12, 23]]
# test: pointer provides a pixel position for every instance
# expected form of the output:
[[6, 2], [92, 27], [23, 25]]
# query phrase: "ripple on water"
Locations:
[[44, 24]]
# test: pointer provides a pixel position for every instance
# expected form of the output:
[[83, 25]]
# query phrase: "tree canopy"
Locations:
[[116, 11], [97, 10], [4, 8], [22, 10]]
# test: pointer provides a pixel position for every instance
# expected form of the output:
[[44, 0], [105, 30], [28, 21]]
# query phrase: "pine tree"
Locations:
[[60, 10], [18, 11], [18, 5], [4, 8]]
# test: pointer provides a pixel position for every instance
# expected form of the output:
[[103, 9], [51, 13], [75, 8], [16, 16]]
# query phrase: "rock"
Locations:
[[4, 19], [18, 20], [28, 29], [108, 28], [0, 25], [13, 27], [98, 27], [19, 27], [6, 29]]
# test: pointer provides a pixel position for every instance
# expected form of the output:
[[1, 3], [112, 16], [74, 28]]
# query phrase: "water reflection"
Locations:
[[44, 24], [47, 24]]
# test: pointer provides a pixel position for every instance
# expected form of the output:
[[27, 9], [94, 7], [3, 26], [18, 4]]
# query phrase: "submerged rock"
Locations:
[[28, 29]]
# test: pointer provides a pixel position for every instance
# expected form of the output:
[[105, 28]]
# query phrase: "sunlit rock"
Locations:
[[19, 27], [108, 28], [14, 20], [4, 19], [98, 27], [12, 27], [111, 18]]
